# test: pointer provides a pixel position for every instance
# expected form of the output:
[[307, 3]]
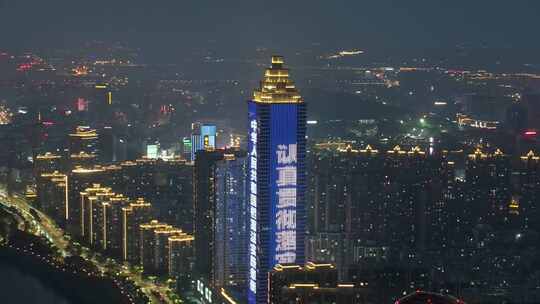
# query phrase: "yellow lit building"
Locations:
[[148, 244], [161, 247], [91, 213], [133, 216], [53, 195], [180, 254]]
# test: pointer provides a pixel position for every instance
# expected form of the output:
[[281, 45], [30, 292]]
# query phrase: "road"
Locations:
[[46, 227]]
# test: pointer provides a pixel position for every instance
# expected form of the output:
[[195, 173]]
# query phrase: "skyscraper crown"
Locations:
[[277, 87]]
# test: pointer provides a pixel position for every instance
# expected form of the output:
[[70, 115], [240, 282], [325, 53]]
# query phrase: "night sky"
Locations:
[[238, 24]]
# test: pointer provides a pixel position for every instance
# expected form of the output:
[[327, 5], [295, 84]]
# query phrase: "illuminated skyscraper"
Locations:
[[205, 189], [277, 148], [230, 227]]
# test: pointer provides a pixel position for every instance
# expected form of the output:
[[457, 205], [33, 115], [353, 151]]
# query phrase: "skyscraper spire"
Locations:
[[276, 86]]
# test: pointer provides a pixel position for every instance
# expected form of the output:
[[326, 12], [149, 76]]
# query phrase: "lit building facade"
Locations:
[[277, 179], [53, 195], [92, 213], [101, 218], [231, 225], [203, 137], [167, 184], [488, 177], [148, 244], [79, 180], [133, 216], [312, 283], [47, 163], [112, 224], [84, 139], [180, 255], [205, 191], [161, 248]]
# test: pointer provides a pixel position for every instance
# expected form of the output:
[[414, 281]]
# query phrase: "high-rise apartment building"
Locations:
[[161, 247], [148, 244], [133, 216], [92, 213], [53, 195], [79, 180], [180, 255]]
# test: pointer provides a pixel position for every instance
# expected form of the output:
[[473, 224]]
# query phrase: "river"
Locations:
[[17, 287]]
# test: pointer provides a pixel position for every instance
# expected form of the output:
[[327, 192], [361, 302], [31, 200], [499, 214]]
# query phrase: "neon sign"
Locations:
[[253, 206], [285, 216]]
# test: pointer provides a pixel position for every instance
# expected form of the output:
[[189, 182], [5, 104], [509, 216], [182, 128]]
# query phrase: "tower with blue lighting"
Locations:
[[277, 178], [203, 137]]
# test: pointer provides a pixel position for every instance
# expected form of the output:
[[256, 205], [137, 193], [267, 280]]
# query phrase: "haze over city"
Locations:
[[269, 152]]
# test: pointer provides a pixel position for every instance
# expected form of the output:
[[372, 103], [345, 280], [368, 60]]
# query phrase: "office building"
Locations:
[[204, 189], [277, 177], [231, 225], [186, 148], [203, 137], [204, 206]]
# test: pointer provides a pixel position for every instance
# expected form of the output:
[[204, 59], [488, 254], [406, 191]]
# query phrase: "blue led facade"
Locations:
[[277, 190]]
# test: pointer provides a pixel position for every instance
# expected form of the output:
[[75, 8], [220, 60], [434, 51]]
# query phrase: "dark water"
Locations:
[[17, 287]]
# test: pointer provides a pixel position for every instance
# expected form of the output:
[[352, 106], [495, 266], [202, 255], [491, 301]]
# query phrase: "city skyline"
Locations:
[[254, 152]]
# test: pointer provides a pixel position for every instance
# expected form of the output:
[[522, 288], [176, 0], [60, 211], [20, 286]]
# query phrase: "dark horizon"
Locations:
[[27, 24]]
